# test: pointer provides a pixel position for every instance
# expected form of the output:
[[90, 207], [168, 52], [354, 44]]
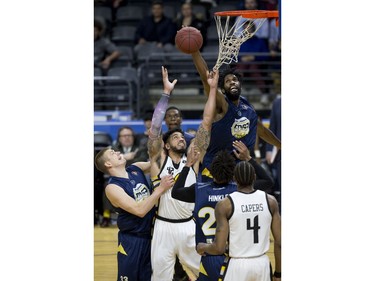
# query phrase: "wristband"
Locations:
[[277, 274], [257, 153], [166, 95]]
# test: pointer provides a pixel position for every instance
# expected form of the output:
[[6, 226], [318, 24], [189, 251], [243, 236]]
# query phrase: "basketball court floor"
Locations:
[[105, 252]]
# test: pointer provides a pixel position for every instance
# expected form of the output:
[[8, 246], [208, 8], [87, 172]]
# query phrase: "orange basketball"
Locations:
[[188, 40]]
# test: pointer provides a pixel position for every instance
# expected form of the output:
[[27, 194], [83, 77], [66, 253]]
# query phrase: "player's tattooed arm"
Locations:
[[202, 139], [155, 147]]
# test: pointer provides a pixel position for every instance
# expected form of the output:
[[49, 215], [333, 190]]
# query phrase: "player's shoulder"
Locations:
[[115, 181], [135, 168], [203, 185], [245, 103]]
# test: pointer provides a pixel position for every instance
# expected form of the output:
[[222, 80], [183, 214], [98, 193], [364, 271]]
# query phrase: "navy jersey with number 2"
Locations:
[[207, 194]]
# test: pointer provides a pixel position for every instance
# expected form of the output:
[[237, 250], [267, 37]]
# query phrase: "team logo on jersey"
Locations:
[[240, 127], [170, 170], [134, 173], [140, 192]]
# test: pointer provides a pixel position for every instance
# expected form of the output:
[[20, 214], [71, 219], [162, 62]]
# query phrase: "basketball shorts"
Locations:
[[210, 267], [244, 269], [133, 258], [170, 240]]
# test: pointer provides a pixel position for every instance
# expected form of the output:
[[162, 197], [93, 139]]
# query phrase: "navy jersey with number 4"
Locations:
[[136, 187], [207, 194], [239, 123]]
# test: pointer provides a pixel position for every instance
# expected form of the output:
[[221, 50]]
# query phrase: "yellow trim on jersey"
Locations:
[[206, 173], [222, 269], [121, 250], [202, 270], [156, 182]]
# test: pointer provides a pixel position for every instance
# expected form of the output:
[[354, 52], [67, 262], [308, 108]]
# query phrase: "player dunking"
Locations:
[[246, 216]]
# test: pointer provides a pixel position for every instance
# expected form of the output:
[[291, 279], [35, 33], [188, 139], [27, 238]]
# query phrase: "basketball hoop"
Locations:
[[231, 36]]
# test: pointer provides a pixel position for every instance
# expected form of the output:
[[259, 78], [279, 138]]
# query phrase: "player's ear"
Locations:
[[167, 146], [107, 164]]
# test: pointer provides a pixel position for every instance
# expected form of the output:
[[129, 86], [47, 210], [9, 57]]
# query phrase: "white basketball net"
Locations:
[[232, 36]]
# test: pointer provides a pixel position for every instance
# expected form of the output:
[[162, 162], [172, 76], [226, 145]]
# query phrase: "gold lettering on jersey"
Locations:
[[252, 208], [141, 192], [240, 127]]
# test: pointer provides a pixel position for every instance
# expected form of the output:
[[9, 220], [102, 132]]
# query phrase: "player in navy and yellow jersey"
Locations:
[[130, 194], [247, 217], [234, 119], [205, 195]]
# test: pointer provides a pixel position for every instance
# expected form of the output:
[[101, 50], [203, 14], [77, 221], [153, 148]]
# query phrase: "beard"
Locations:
[[178, 150], [233, 96]]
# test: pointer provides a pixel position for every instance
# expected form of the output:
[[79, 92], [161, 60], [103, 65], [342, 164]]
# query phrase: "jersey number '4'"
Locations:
[[255, 228]]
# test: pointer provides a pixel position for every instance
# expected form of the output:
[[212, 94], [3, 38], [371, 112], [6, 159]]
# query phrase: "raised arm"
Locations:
[[203, 136], [118, 197], [202, 68], [155, 143], [222, 212]]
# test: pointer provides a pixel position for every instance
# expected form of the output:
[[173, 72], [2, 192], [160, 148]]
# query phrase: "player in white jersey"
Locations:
[[174, 228], [246, 216]]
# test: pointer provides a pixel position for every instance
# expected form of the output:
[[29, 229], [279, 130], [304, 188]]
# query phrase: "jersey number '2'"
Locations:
[[207, 225], [255, 227]]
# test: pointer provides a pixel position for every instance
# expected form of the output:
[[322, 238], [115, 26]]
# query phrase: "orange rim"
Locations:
[[250, 14]]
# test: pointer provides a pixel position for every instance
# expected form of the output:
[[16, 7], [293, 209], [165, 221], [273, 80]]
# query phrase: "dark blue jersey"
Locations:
[[239, 123], [207, 194], [138, 188]]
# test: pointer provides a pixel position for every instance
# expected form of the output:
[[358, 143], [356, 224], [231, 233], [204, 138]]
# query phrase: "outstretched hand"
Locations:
[[166, 182], [212, 78], [168, 86], [241, 151], [192, 155]]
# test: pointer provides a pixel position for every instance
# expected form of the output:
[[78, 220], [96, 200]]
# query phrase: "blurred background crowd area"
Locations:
[[133, 39]]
